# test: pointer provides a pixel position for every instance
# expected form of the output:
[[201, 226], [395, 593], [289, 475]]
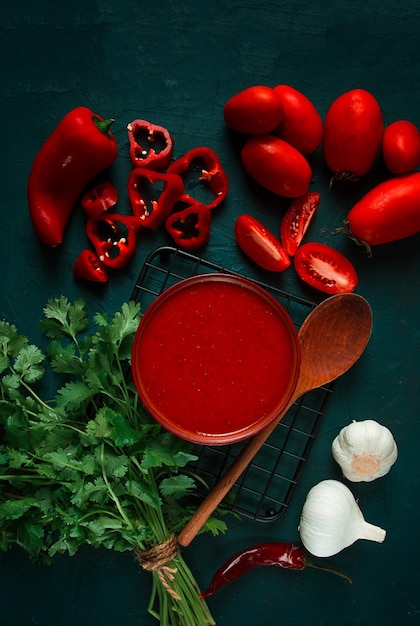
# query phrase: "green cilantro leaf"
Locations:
[[177, 486], [64, 319], [11, 341], [14, 509], [75, 394], [28, 364], [64, 359]]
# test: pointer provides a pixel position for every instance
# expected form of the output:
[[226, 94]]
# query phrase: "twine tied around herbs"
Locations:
[[156, 560]]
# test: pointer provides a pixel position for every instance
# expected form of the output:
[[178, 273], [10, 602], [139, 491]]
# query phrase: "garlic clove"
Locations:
[[365, 450], [331, 520]]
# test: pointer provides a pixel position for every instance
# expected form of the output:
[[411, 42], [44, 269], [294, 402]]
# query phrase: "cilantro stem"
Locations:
[[95, 512], [111, 491], [36, 397], [33, 478]]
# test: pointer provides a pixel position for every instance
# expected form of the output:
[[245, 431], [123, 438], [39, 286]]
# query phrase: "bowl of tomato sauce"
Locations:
[[215, 359]]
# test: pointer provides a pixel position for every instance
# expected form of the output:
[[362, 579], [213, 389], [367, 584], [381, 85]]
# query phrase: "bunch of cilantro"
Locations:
[[90, 466]]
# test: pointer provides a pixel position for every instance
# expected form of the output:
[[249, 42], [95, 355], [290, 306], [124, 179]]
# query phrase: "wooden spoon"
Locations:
[[332, 338]]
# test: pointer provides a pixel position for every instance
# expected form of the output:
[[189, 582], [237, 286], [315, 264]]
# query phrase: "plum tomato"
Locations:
[[255, 110], [259, 244], [353, 129], [276, 165], [401, 147], [296, 220], [301, 125], [388, 212], [325, 268]]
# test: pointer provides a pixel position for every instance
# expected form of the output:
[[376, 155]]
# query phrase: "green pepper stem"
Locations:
[[103, 125]]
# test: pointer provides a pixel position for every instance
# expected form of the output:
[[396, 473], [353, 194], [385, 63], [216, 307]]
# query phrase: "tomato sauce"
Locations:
[[215, 359]]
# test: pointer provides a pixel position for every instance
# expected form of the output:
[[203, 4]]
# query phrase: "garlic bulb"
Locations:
[[331, 520], [364, 450]]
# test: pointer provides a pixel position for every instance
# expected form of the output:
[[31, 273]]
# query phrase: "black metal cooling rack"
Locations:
[[265, 489]]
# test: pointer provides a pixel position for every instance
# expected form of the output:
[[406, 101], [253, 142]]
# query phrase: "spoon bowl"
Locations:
[[332, 338]]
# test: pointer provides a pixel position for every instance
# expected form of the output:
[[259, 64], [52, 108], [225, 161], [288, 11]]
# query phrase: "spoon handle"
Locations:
[[223, 486]]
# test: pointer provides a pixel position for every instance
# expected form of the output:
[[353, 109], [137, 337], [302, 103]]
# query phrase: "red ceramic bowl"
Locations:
[[215, 359]]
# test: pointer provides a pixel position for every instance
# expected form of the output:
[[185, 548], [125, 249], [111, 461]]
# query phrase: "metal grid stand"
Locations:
[[265, 489]]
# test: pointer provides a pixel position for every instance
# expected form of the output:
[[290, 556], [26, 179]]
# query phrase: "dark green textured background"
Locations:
[[175, 63]]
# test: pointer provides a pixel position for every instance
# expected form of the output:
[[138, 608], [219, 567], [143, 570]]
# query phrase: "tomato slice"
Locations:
[[297, 219], [260, 244], [325, 268]]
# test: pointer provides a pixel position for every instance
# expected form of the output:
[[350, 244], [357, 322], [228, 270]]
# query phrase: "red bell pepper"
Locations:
[[150, 145], [99, 199], [79, 148], [202, 165], [152, 195], [88, 267], [114, 237], [190, 227]]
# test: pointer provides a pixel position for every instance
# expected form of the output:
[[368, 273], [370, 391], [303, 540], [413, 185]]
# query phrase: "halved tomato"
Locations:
[[296, 221], [260, 244], [325, 268]]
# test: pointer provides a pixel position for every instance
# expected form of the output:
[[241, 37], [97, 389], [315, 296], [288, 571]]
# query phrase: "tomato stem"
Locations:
[[349, 176], [359, 242]]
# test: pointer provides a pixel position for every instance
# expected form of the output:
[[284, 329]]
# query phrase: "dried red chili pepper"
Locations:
[[202, 165], [152, 195], [114, 237], [158, 153], [276, 553], [99, 199], [79, 148], [88, 267], [190, 227]]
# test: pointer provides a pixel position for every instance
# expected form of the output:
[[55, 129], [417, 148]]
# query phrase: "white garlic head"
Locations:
[[331, 520], [365, 450]]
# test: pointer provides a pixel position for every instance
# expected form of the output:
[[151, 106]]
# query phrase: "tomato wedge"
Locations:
[[260, 244], [297, 219], [325, 268]]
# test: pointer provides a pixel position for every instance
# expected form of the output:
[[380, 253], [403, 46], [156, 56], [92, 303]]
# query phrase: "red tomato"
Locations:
[[276, 165], [301, 125], [260, 244], [255, 110], [388, 212], [296, 221], [353, 129], [325, 268], [401, 147]]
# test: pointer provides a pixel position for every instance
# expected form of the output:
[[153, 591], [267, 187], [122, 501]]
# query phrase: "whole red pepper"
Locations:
[[276, 553], [202, 165], [150, 145], [190, 227], [114, 237], [152, 195], [99, 199], [88, 267], [79, 148]]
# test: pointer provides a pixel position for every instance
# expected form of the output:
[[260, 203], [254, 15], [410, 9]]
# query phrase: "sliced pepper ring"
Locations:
[[190, 227], [150, 145], [114, 237], [204, 162], [88, 267], [99, 198], [152, 195]]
